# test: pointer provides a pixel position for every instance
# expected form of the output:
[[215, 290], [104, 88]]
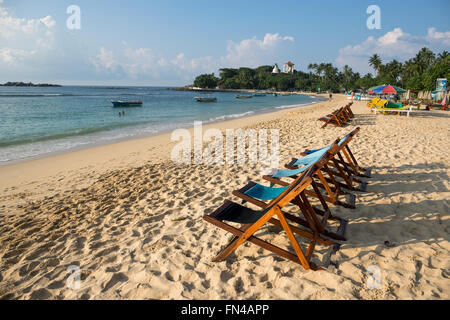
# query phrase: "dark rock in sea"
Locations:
[[23, 84]]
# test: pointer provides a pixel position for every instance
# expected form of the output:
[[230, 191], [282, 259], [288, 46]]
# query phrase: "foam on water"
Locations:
[[39, 121]]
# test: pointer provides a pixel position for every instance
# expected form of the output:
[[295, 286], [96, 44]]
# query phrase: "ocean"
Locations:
[[37, 121]]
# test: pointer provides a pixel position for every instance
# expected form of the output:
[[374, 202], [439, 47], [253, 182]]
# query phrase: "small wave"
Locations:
[[294, 105], [231, 116], [36, 95], [67, 134]]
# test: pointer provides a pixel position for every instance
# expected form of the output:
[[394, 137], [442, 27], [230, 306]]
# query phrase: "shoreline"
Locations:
[[147, 135], [165, 131], [107, 152]]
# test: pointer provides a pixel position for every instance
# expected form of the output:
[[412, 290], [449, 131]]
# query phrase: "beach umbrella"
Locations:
[[370, 90], [386, 89]]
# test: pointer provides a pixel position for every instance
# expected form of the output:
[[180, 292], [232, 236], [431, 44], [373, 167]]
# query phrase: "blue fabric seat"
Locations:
[[265, 193], [308, 152]]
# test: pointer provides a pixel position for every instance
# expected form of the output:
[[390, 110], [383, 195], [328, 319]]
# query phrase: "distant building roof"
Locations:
[[289, 63]]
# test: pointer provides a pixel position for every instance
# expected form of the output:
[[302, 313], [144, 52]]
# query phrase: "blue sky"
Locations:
[[169, 42]]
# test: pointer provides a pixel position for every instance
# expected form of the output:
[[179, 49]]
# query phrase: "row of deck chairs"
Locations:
[[339, 117], [326, 174]]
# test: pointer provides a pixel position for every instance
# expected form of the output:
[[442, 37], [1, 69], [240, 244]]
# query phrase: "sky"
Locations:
[[168, 43]]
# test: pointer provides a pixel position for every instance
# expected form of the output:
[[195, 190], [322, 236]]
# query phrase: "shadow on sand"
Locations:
[[408, 215]]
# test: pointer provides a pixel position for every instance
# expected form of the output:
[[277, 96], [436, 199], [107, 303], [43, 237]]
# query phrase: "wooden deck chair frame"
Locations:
[[335, 118], [348, 111], [438, 107], [339, 117], [304, 206], [345, 166], [348, 160], [256, 219], [326, 180]]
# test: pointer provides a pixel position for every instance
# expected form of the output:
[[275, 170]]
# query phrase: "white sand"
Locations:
[[132, 220]]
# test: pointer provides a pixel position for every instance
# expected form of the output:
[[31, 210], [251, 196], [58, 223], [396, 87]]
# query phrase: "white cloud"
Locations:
[[31, 48], [11, 27], [21, 38], [395, 44], [146, 63], [104, 60], [443, 37], [254, 52], [10, 56]]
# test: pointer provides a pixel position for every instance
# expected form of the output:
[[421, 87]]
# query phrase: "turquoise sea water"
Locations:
[[39, 121]]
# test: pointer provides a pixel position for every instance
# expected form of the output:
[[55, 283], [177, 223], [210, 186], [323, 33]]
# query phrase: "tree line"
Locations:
[[417, 73]]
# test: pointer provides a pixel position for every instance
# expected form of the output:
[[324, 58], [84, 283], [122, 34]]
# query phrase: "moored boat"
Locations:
[[120, 103], [203, 99], [243, 96]]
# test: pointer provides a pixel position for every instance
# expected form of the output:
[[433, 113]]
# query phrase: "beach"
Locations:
[[131, 220]]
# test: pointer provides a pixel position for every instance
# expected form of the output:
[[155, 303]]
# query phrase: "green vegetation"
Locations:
[[418, 73], [206, 81]]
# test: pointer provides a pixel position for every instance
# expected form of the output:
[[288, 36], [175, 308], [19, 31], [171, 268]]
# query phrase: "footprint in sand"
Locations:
[[115, 279], [40, 294]]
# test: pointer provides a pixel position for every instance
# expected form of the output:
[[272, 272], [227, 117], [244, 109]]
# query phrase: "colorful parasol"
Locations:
[[387, 89]]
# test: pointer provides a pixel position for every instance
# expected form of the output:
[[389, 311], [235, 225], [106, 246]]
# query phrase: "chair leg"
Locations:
[[301, 256], [232, 246], [221, 256], [246, 235]]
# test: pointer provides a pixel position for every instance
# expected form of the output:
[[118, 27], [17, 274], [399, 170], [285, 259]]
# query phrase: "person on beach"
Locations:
[[331, 96]]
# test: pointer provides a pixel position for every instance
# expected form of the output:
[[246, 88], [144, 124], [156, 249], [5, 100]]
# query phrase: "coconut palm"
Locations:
[[424, 59], [375, 62], [443, 55]]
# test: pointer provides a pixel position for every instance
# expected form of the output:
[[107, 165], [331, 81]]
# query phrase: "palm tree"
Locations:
[[424, 59], [375, 62], [313, 66], [409, 71], [393, 70], [443, 55]]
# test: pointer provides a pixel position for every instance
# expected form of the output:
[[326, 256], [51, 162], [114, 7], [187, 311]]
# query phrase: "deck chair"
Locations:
[[252, 220], [442, 106], [373, 102], [393, 107], [348, 110], [381, 103], [337, 118], [348, 160], [344, 164], [327, 178], [437, 106], [337, 176]]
